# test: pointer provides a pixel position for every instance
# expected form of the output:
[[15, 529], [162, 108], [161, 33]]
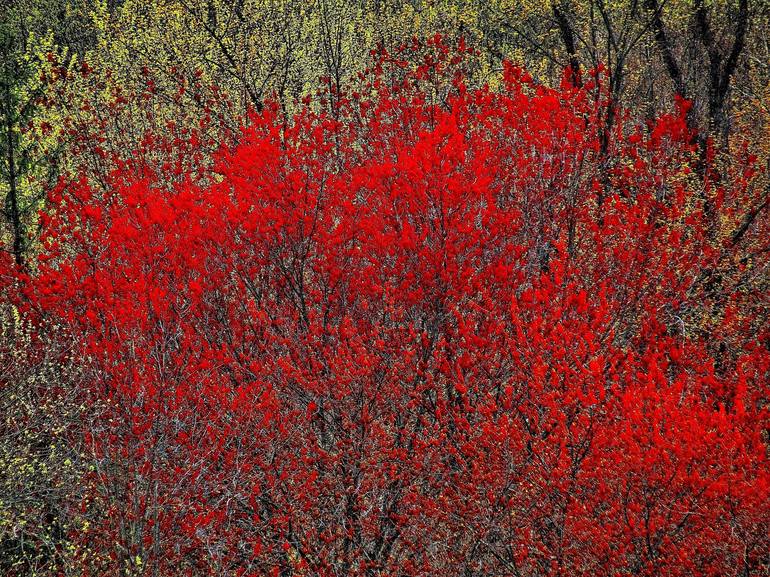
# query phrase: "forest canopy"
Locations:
[[384, 288]]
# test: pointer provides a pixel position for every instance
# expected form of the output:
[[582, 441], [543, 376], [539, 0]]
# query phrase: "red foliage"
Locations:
[[411, 340]]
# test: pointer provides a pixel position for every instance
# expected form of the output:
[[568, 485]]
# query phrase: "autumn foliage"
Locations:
[[429, 331]]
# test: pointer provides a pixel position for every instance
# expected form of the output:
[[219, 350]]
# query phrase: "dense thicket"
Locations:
[[289, 291]]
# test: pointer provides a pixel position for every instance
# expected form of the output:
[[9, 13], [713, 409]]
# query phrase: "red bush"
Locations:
[[419, 339]]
